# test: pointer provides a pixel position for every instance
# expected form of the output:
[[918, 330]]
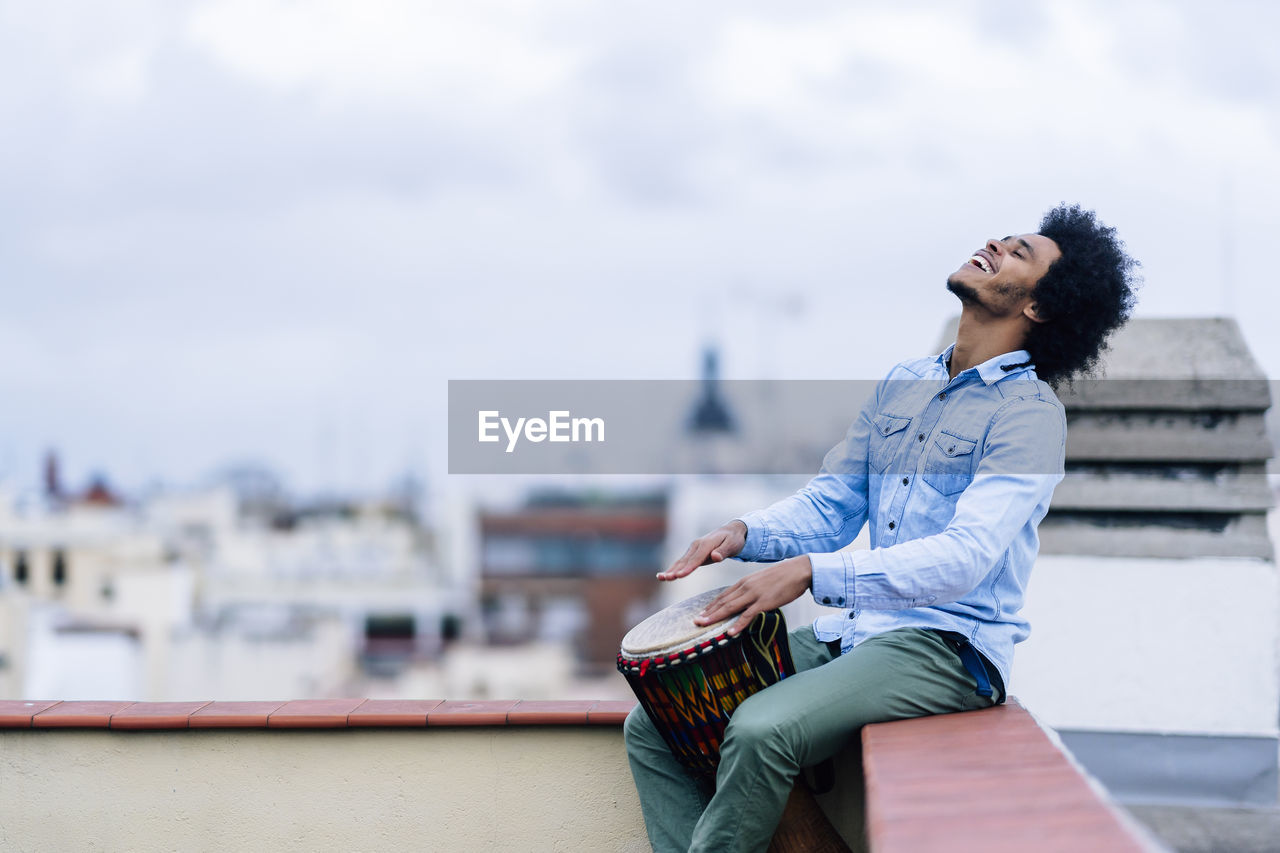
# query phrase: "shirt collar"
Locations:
[[992, 370]]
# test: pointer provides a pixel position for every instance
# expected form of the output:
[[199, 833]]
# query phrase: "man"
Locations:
[[952, 464]]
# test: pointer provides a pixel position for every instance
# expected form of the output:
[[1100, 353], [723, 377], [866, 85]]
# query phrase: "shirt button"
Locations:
[[892, 525], [850, 614], [839, 601], [942, 396], [920, 437], [905, 480], [826, 600]]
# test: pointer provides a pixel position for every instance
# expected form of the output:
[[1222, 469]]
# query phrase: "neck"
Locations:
[[981, 338]]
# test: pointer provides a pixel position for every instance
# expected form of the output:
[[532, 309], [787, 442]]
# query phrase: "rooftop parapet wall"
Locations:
[[463, 788], [335, 774], [350, 774], [309, 714]]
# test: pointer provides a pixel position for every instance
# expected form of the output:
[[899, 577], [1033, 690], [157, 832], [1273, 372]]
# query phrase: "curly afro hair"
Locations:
[[1086, 295]]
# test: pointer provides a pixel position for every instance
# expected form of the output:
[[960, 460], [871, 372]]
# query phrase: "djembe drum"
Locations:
[[689, 679]]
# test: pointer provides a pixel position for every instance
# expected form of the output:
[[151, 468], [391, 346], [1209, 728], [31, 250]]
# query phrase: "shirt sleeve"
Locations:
[[1022, 463], [828, 513]]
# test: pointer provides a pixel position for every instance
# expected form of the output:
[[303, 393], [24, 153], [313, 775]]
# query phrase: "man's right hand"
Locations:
[[720, 544]]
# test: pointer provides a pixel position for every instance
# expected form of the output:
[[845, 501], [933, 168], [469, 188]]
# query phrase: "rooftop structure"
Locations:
[[1167, 451]]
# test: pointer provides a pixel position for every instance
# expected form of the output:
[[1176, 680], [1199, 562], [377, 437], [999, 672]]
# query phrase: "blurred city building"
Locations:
[[576, 568], [83, 590], [230, 591]]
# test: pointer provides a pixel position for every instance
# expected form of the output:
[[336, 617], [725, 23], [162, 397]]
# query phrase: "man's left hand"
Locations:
[[767, 589]]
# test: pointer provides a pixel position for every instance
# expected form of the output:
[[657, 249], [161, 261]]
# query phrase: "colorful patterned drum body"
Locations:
[[690, 678]]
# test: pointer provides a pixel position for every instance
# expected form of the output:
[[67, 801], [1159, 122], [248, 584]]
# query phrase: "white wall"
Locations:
[[1152, 645], [549, 788], [106, 665]]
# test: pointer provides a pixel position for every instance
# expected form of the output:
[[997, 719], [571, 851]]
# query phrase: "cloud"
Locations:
[[399, 193], [484, 51], [646, 133]]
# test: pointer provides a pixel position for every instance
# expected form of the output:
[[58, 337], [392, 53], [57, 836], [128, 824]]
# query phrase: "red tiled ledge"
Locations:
[[993, 780], [309, 714]]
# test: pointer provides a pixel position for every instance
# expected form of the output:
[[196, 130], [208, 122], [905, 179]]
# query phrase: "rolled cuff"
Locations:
[[756, 537]]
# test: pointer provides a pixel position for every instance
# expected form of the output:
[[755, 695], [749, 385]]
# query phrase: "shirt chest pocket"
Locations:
[[889, 431], [949, 466]]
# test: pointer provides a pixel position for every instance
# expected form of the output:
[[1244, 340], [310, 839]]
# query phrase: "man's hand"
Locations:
[[771, 587], [720, 544]]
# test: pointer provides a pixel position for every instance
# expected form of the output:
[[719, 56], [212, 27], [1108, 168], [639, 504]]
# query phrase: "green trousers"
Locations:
[[798, 722]]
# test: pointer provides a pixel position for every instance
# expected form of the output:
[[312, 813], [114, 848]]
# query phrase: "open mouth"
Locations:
[[980, 261]]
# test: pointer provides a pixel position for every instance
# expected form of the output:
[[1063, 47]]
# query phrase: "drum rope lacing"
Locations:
[[664, 661]]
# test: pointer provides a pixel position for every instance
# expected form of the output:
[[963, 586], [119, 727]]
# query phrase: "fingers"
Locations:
[[758, 592], [692, 558], [744, 620], [716, 546], [732, 601], [729, 608], [699, 553]]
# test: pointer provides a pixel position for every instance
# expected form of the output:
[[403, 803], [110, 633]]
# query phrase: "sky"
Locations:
[[271, 231]]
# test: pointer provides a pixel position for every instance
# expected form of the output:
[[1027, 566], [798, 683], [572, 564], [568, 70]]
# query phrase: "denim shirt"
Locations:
[[953, 475]]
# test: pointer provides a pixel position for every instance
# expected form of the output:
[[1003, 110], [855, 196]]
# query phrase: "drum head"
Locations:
[[672, 629]]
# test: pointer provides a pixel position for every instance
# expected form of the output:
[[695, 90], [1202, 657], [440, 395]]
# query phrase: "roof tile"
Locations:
[[610, 712], [17, 713], [233, 715], [156, 715], [92, 715], [408, 713], [550, 713], [491, 712], [313, 714]]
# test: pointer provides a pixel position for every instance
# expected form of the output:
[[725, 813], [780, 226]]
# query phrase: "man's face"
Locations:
[[1001, 276]]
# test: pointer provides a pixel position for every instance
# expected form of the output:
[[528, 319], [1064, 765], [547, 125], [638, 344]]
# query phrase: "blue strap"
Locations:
[[973, 663]]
